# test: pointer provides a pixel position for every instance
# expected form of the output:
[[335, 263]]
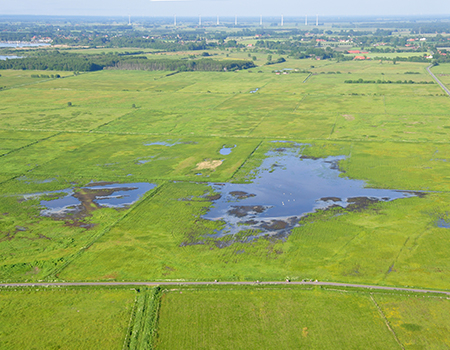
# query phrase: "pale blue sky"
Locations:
[[225, 7]]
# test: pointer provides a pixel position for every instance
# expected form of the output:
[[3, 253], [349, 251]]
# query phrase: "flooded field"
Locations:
[[91, 197], [443, 223], [162, 143], [287, 187]]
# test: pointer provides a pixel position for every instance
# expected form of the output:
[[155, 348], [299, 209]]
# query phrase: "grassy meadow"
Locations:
[[60, 136], [299, 317], [168, 129], [65, 318], [74, 146], [221, 317]]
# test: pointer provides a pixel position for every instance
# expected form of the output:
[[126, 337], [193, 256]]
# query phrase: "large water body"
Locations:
[[287, 187], [22, 44], [10, 57]]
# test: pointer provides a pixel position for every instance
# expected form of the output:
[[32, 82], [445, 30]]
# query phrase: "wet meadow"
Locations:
[[153, 176]]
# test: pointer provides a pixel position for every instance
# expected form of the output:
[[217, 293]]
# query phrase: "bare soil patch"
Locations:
[[209, 164]]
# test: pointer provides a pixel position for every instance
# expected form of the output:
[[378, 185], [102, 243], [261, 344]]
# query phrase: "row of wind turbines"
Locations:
[[235, 20]]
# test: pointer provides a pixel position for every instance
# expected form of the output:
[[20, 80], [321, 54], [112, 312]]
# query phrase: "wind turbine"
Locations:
[[260, 20], [175, 20], [306, 20], [282, 20]]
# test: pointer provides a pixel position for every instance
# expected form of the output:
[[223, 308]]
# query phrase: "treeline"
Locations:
[[61, 62], [183, 65], [47, 76], [379, 81], [403, 59], [298, 49], [135, 41]]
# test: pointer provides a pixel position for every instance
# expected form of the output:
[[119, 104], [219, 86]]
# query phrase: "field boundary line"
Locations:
[[226, 100], [32, 144], [306, 79], [437, 80], [109, 122], [391, 267], [298, 104], [387, 322], [333, 127], [35, 169], [95, 238], [257, 125], [130, 323], [34, 83], [245, 160], [270, 137]]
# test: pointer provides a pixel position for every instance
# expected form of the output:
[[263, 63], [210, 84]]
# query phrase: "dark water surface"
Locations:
[[288, 186]]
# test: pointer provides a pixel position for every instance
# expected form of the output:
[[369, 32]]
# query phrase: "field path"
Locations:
[[172, 283], [437, 80]]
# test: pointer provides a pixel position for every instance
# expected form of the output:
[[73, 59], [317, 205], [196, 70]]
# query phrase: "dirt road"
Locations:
[[172, 283], [437, 80]]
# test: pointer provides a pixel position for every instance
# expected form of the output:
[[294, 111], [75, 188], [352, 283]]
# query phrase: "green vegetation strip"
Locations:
[[145, 319]]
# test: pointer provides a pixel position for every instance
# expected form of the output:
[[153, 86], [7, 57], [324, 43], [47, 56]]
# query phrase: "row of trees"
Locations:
[[183, 65], [361, 81]]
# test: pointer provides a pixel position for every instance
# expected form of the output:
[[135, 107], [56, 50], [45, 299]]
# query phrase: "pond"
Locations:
[[226, 150], [82, 200], [288, 186]]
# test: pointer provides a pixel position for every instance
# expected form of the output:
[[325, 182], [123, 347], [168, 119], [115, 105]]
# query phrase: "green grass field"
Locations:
[[288, 318], [108, 134], [168, 130], [60, 318]]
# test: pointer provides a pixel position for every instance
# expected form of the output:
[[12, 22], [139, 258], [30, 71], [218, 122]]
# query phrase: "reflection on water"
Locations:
[[93, 196], [288, 186]]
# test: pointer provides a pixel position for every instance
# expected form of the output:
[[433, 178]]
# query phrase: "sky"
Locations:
[[224, 7]]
